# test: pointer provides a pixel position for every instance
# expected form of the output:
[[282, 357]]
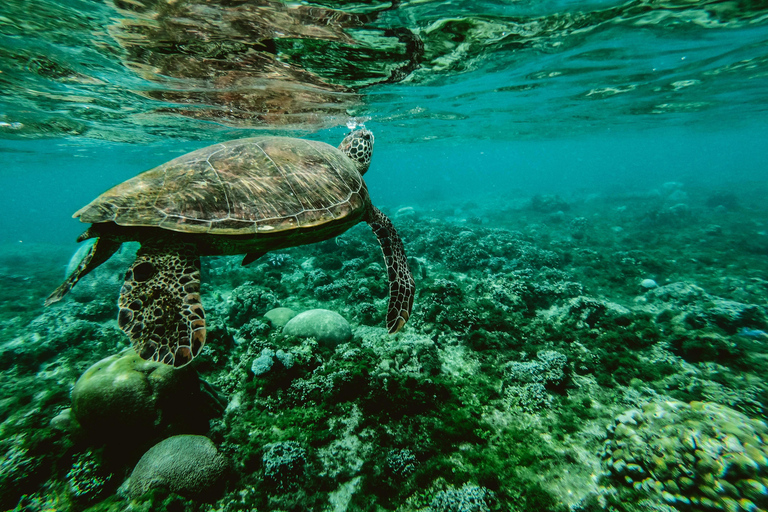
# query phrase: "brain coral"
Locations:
[[697, 456], [187, 465]]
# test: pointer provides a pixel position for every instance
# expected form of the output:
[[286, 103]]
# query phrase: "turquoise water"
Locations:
[[540, 159], [553, 95]]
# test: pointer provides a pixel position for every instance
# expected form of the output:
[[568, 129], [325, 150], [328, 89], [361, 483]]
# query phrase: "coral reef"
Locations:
[[537, 323], [248, 301], [402, 463]]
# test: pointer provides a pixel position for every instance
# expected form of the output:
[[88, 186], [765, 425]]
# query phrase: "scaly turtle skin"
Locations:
[[247, 196]]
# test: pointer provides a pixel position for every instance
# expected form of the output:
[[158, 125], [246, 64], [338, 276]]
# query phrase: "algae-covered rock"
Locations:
[[190, 466], [700, 454], [679, 293], [547, 369], [327, 327], [124, 398], [730, 315]]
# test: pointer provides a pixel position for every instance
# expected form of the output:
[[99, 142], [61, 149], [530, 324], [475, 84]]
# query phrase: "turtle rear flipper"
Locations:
[[160, 308], [401, 285], [101, 250]]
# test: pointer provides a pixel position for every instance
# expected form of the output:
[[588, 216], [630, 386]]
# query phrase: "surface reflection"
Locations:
[[221, 61]]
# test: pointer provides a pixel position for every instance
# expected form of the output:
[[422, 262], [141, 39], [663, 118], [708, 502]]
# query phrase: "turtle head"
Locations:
[[358, 145]]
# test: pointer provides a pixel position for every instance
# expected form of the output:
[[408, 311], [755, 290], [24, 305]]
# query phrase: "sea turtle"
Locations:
[[249, 196]]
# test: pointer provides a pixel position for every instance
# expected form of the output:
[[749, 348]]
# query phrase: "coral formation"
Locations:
[[86, 478], [697, 456], [125, 399], [248, 301], [284, 464], [402, 463], [548, 369], [327, 327], [278, 317], [187, 465], [468, 498]]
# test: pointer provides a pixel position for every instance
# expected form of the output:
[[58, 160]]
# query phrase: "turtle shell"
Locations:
[[240, 187]]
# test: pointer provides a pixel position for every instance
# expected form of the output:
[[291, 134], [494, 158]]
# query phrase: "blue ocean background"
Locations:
[[540, 97], [46, 180], [581, 188]]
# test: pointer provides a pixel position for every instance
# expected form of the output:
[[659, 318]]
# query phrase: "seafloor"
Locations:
[[585, 352]]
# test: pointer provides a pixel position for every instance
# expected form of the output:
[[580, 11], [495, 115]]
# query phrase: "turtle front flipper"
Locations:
[[100, 251], [160, 308], [401, 285]]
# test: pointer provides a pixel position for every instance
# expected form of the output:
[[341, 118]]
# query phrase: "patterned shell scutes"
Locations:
[[244, 186]]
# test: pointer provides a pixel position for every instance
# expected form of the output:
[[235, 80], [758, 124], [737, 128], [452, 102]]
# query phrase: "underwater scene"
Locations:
[[403, 255]]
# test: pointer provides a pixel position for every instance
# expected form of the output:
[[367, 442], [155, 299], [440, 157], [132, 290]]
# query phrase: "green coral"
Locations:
[[124, 400], [468, 498], [402, 463], [16, 466], [284, 464], [249, 301]]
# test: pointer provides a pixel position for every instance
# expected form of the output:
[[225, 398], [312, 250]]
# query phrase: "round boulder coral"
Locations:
[[189, 466], [697, 456], [327, 327], [123, 397], [278, 317]]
